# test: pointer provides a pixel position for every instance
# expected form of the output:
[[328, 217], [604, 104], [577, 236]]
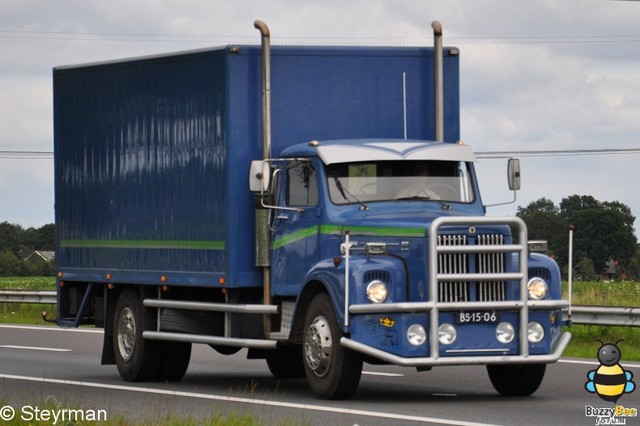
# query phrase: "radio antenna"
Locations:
[[404, 102]]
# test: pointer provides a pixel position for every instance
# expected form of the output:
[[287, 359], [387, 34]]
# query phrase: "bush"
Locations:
[[586, 269], [10, 265]]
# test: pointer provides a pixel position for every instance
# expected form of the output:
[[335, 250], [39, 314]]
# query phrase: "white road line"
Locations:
[[312, 407], [52, 328], [379, 373], [585, 362], [35, 348]]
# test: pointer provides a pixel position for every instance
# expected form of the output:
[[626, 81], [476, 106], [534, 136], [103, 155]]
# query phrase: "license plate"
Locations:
[[477, 317]]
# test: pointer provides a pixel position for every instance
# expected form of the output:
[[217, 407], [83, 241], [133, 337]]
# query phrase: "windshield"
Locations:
[[365, 182]]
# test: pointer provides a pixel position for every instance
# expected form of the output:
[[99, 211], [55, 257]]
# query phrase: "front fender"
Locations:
[[362, 270]]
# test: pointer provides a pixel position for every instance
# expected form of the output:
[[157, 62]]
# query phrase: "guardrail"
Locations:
[[605, 315], [28, 296], [592, 315]]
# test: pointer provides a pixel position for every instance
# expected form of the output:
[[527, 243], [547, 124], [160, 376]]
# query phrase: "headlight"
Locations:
[[535, 332], [505, 332], [447, 334], [416, 335], [377, 291], [537, 288]]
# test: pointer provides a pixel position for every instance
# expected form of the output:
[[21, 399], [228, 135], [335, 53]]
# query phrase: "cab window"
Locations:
[[302, 187]]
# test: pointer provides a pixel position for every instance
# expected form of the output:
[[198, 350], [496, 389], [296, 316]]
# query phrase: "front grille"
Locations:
[[383, 276], [452, 263], [490, 263], [463, 263], [541, 273]]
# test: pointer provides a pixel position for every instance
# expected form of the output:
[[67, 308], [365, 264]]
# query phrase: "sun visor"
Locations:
[[331, 153]]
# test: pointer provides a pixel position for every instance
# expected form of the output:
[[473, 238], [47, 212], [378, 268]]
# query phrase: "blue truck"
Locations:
[[362, 239]]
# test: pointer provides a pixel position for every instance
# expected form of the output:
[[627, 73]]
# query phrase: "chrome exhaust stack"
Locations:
[[439, 85], [266, 88], [263, 238]]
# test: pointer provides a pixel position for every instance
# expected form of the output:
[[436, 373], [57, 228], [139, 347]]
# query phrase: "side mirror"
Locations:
[[259, 176], [513, 174]]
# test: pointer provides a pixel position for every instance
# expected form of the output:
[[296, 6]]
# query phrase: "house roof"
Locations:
[[47, 256]]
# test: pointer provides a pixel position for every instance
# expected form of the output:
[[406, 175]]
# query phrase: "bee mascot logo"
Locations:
[[609, 381]]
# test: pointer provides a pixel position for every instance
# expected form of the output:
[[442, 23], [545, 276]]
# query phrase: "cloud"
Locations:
[[545, 74]]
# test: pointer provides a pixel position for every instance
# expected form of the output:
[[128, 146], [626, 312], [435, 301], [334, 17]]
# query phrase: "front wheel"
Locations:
[[516, 380], [333, 371]]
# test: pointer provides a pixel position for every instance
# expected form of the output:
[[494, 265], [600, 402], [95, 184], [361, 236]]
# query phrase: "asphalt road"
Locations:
[[44, 367]]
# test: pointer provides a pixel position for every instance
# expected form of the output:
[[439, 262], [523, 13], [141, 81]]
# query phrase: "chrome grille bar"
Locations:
[[519, 275], [452, 263], [491, 263]]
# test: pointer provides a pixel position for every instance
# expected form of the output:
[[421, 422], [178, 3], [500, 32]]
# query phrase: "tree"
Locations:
[[586, 270], [16, 244], [544, 222], [11, 237], [42, 238], [602, 230], [633, 268], [10, 264]]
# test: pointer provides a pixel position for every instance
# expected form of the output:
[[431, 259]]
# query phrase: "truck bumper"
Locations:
[[552, 357]]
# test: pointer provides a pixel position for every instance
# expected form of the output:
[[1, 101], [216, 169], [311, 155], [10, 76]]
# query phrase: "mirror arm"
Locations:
[[267, 206], [503, 203]]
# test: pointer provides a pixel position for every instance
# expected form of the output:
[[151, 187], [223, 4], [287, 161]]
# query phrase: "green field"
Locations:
[[583, 344]]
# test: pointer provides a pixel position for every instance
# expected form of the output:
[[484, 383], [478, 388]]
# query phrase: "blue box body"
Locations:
[[152, 154]]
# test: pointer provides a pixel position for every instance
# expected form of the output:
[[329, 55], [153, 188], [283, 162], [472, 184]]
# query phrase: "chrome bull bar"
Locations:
[[433, 307]]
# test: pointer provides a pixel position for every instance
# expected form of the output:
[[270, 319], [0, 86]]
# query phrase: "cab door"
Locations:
[[295, 227]]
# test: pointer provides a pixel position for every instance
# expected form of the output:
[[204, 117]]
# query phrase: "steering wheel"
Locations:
[[445, 191]]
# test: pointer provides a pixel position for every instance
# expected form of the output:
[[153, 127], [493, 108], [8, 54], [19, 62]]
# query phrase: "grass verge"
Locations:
[[50, 410]]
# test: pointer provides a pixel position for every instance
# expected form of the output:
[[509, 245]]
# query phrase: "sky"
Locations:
[[536, 75]]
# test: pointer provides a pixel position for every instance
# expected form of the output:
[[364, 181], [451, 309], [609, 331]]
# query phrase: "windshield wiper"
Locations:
[[415, 197], [344, 193]]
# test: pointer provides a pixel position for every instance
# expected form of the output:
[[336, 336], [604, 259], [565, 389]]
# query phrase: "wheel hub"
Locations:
[[318, 346], [126, 334]]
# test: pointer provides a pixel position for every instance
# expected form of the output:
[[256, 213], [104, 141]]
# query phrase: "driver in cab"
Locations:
[[417, 186]]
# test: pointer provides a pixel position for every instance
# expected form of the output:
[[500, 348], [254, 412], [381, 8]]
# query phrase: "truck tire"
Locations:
[[333, 371], [175, 361], [516, 380], [137, 359], [286, 362]]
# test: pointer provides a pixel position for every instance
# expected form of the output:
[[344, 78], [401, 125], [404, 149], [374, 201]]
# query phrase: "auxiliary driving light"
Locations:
[[505, 332], [535, 332], [447, 334], [416, 335]]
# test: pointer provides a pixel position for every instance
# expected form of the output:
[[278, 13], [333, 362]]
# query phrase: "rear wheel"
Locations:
[[137, 359], [175, 361], [333, 371], [516, 380], [286, 362]]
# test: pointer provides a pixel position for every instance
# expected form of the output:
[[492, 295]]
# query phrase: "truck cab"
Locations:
[[389, 240]]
